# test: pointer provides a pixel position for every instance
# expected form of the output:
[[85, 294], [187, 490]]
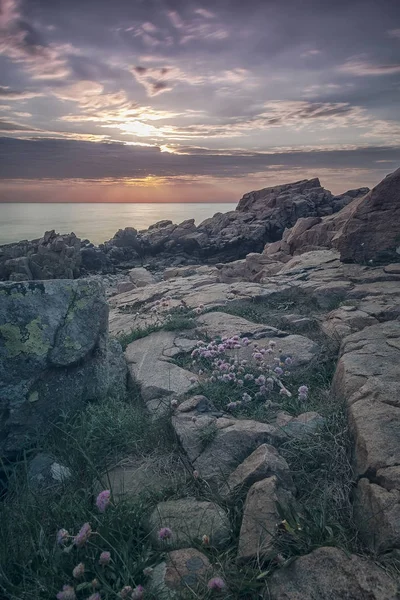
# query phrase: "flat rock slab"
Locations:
[[331, 574], [181, 569], [220, 324], [149, 363], [189, 520], [261, 518]]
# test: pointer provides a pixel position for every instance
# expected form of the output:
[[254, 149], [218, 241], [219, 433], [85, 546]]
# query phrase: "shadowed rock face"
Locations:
[[55, 355], [261, 216], [372, 228]]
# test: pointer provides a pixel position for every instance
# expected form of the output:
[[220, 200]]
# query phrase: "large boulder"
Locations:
[[55, 355], [371, 230], [53, 256]]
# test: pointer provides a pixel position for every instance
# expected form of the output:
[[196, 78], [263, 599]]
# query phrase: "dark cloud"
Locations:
[[10, 126], [69, 159]]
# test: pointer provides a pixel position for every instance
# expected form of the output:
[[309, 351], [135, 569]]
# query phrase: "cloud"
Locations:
[[12, 127], [361, 68], [9, 94], [394, 33], [309, 53], [23, 44], [44, 159], [207, 14]]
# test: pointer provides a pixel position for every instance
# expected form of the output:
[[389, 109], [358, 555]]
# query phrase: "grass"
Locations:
[[31, 565]]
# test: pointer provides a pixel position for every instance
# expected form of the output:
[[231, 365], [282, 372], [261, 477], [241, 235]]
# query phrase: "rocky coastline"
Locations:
[[238, 387]]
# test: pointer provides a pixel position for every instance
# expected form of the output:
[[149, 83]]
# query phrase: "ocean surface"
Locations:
[[96, 222]]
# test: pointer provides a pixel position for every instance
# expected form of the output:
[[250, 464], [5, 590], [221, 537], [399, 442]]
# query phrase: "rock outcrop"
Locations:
[[372, 231], [53, 256], [55, 355], [260, 217]]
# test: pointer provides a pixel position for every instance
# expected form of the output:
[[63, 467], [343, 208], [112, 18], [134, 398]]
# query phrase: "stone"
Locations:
[[149, 364], [261, 518], [181, 569], [125, 286], [135, 476], [371, 230], [53, 256], [233, 442], [298, 323], [189, 520], [140, 277], [55, 356], [220, 324], [264, 462], [299, 348], [297, 427], [392, 269], [367, 376], [377, 513], [331, 574], [341, 322], [46, 475], [311, 260]]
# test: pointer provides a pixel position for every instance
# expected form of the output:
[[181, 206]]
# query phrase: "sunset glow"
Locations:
[[206, 96]]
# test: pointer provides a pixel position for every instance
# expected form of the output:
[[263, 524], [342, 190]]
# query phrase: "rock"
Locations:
[[261, 518], [264, 462], [149, 363], [299, 348], [392, 269], [298, 323], [135, 475], [54, 256], [189, 520], [181, 569], [47, 475], [125, 286], [331, 574], [367, 376], [311, 260], [305, 424], [342, 322], [377, 512], [220, 324], [55, 356], [234, 441], [371, 230], [140, 277]]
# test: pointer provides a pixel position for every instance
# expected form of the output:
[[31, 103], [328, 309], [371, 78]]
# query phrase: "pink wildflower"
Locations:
[[126, 592], [288, 361], [95, 596], [137, 593], [246, 397], [193, 380], [62, 536], [216, 583], [105, 558], [78, 571], [67, 593], [165, 533], [278, 371], [103, 500], [272, 344], [195, 474], [83, 535]]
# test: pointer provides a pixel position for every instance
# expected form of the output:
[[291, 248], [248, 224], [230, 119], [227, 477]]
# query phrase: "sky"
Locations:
[[195, 100]]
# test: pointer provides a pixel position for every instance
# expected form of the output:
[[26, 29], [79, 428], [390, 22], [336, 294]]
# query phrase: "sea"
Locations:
[[96, 222]]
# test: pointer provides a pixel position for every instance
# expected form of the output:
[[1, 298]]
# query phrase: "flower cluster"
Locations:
[[103, 501], [264, 370]]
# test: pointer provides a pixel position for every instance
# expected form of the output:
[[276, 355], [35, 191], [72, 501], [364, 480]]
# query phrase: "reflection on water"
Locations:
[[97, 222]]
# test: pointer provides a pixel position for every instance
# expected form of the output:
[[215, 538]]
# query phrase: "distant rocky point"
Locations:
[[279, 221]]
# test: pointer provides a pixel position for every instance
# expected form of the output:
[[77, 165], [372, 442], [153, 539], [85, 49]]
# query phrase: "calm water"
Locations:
[[97, 222]]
